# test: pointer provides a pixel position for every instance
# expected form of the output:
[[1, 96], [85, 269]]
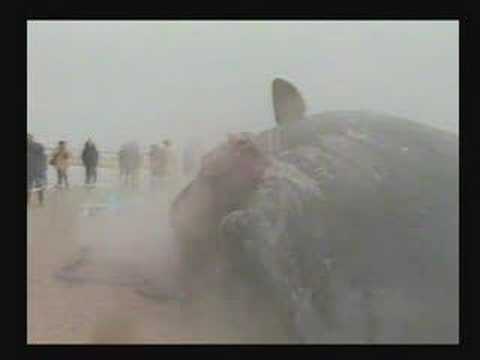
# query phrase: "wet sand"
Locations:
[[126, 245]]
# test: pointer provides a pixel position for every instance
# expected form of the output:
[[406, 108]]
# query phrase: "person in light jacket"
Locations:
[[61, 160]]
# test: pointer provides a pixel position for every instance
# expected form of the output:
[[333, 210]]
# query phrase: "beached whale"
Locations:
[[349, 219]]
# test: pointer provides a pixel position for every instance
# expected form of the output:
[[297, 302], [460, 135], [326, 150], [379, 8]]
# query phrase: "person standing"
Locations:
[[157, 165], [36, 169], [90, 161], [132, 162], [171, 166], [61, 160]]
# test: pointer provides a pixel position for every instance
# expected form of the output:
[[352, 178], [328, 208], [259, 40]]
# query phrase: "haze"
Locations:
[[148, 80]]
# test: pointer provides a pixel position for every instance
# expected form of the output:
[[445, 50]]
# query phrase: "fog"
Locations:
[[148, 80], [93, 250]]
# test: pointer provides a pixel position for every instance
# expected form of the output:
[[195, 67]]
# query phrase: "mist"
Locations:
[[94, 250], [150, 80]]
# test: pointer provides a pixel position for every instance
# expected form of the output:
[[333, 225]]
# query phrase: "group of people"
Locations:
[[162, 160], [61, 160]]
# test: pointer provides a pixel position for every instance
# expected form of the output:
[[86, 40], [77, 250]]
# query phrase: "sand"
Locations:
[[132, 244]]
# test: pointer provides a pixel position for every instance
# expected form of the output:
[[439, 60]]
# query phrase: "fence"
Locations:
[[269, 141], [107, 159]]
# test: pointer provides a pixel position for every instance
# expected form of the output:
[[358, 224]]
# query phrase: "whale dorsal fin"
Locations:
[[288, 103]]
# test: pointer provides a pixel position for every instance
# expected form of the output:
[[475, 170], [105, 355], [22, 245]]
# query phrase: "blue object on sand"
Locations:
[[114, 202]]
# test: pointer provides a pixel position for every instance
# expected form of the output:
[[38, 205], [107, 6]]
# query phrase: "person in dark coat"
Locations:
[[36, 169], [90, 161]]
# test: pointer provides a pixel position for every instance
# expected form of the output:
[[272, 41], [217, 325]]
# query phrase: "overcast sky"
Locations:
[[148, 80]]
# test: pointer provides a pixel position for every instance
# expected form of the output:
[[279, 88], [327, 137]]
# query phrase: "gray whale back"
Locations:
[[390, 187]]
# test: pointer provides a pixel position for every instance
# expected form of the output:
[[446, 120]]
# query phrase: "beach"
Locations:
[[120, 246]]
